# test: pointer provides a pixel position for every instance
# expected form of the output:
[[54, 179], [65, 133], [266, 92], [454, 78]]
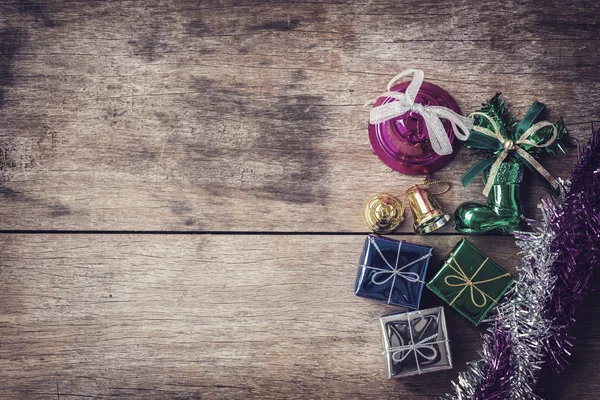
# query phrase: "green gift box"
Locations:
[[470, 282]]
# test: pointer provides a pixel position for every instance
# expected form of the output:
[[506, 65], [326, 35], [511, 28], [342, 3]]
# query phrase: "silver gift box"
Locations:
[[415, 342]]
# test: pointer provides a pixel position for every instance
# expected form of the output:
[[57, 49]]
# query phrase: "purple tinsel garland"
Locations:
[[577, 243], [497, 360], [531, 326]]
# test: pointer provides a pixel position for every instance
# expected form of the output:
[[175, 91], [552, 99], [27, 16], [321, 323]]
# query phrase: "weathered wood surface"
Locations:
[[186, 316], [219, 317], [226, 116], [248, 116]]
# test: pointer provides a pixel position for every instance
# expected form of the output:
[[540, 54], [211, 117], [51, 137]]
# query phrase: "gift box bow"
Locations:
[[392, 272], [462, 280], [493, 140], [402, 352]]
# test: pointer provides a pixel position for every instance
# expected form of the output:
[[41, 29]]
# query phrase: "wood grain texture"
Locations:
[[185, 316], [247, 116], [219, 317], [224, 117]]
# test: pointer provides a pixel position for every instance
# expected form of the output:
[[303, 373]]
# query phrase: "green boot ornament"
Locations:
[[502, 212], [507, 148]]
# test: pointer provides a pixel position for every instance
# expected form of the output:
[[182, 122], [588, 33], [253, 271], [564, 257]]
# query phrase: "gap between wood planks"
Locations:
[[237, 233]]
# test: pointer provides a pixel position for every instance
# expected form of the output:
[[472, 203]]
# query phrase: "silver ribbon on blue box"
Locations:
[[392, 272]]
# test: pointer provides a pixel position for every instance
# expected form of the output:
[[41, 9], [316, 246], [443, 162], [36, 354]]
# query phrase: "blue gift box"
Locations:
[[392, 271]]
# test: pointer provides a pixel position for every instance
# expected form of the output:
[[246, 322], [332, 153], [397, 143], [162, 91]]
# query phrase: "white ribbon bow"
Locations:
[[431, 114], [394, 271]]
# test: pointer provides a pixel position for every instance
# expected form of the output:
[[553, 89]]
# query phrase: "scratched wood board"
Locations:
[[210, 316], [219, 317], [222, 117], [229, 116]]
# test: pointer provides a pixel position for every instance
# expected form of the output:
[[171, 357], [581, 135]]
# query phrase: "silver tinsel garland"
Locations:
[[530, 328], [520, 318]]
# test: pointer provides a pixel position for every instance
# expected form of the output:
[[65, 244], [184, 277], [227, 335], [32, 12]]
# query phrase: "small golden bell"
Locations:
[[427, 212], [383, 213]]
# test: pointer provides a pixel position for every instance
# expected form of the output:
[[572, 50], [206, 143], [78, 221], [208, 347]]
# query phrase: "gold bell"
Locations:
[[384, 213], [427, 212]]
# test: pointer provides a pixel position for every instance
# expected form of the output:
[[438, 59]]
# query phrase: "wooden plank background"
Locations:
[[181, 187]]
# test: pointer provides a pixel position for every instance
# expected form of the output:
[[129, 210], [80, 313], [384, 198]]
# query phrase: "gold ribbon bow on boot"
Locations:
[[510, 145], [494, 135]]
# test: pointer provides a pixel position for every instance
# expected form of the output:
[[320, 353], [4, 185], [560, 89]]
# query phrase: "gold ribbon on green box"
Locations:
[[470, 282], [466, 282]]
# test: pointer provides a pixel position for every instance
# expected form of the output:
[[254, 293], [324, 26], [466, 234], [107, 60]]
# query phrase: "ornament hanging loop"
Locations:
[[428, 182]]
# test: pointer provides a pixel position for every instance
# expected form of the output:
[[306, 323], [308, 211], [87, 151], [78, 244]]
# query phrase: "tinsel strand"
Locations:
[[577, 244], [531, 325]]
